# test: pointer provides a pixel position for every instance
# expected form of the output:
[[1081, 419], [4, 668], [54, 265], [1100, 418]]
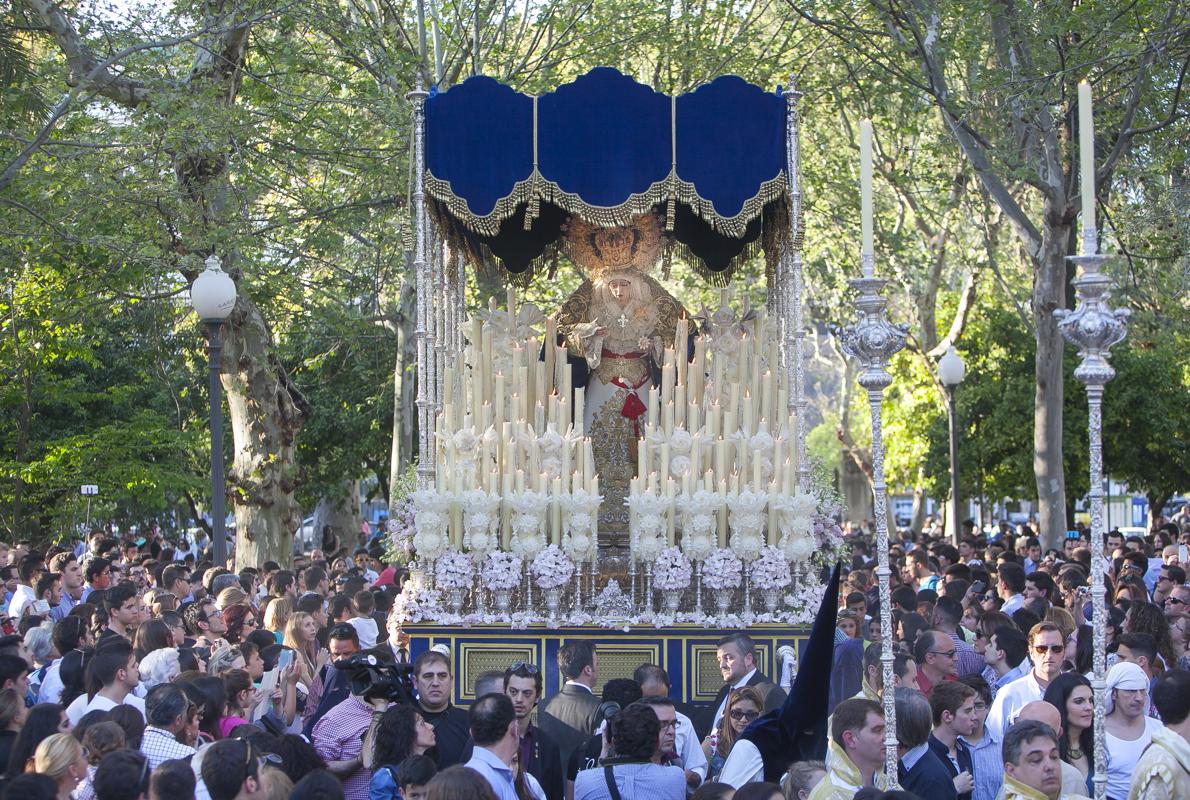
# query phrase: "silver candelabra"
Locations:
[[873, 340], [1093, 327]]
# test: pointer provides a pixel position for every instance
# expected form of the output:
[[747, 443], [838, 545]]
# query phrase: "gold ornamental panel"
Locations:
[[620, 660], [476, 658]]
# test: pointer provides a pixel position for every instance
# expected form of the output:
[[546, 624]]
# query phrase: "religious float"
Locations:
[[622, 467]]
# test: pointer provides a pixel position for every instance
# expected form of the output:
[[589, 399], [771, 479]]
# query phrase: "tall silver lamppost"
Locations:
[[213, 295], [1093, 327], [952, 370], [873, 340]]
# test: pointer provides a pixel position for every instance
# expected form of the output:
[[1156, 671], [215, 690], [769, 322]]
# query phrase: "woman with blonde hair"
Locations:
[[742, 708], [62, 758], [277, 614], [301, 635], [12, 718], [231, 596]]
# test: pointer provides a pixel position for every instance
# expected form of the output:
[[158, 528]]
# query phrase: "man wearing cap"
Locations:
[[1127, 727]]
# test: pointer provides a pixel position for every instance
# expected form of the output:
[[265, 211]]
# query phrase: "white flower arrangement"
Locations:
[[481, 515], [580, 514], [671, 570], [647, 524], [431, 515], [401, 528], [551, 568], [528, 523], [698, 523], [417, 603], [795, 519], [771, 569], [453, 570], [747, 519], [501, 571], [722, 570]]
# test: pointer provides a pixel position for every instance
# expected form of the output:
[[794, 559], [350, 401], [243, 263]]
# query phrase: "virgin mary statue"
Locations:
[[617, 322]]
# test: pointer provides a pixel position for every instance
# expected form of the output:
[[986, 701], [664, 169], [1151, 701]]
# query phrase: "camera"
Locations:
[[373, 679]]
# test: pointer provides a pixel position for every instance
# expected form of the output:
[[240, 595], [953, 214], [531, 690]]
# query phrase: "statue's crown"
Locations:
[[597, 250]]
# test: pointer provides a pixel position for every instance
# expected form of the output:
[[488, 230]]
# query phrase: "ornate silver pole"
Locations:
[[1094, 328], [425, 467], [873, 340], [793, 312]]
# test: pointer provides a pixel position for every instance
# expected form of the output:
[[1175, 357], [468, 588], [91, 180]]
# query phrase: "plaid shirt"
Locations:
[[968, 662], [160, 745], [339, 736]]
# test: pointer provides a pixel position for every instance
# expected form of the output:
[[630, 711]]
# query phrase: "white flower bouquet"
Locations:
[[481, 515], [579, 521], [647, 524], [417, 602], [528, 518], [401, 528], [453, 570], [431, 515], [501, 571], [698, 523], [722, 569], [671, 570], [771, 569], [551, 568], [747, 519]]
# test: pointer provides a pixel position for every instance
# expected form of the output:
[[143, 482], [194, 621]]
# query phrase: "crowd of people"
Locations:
[[130, 669]]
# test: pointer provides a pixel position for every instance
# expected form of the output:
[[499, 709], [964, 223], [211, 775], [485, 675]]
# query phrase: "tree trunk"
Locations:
[[266, 410], [404, 390], [1049, 293], [338, 513], [1156, 505], [917, 519]]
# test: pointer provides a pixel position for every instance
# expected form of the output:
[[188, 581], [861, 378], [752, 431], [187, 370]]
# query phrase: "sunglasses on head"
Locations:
[[527, 666]]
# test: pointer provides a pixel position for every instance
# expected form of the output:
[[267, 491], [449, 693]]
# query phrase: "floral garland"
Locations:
[[417, 602], [722, 570], [551, 568], [400, 528], [771, 570], [453, 570], [501, 571], [671, 570]]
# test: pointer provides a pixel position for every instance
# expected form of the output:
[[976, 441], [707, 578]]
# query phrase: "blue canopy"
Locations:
[[506, 168]]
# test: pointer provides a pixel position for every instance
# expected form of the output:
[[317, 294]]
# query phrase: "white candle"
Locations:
[[580, 397], [654, 407], [865, 183], [1086, 153]]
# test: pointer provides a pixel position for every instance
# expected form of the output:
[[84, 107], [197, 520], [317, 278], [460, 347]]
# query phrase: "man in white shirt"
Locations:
[[1010, 585], [28, 571], [494, 730], [654, 682], [115, 667], [1127, 727], [1047, 647]]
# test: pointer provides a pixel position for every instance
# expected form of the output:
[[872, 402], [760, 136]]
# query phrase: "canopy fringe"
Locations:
[[536, 189]]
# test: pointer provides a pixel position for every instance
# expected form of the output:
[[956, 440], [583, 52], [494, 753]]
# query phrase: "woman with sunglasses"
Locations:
[[1179, 638], [743, 707], [240, 620]]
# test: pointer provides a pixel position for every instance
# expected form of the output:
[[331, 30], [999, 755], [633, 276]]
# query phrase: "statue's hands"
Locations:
[[601, 331]]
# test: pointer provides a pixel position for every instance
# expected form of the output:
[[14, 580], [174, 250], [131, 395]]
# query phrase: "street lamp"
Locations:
[[213, 295], [952, 370]]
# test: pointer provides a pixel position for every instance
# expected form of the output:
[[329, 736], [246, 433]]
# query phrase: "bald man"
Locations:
[[1073, 782]]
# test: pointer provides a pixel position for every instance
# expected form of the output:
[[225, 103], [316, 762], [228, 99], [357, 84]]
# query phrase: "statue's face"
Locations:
[[621, 289]]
